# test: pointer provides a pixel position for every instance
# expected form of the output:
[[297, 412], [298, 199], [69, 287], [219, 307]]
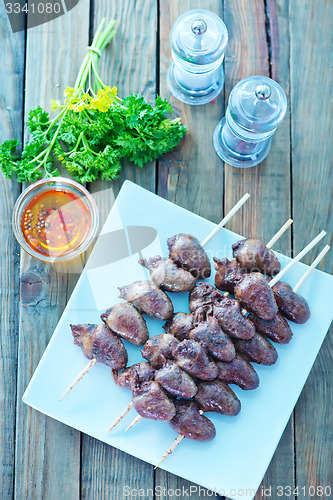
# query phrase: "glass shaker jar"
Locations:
[[256, 107], [198, 42]]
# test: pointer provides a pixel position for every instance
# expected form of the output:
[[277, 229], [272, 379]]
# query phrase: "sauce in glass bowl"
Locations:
[[55, 219]]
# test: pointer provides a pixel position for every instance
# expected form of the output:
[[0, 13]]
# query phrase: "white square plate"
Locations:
[[234, 463]]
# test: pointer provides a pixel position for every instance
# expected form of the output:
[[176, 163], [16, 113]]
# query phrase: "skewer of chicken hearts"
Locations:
[[98, 343], [102, 343], [258, 349], [187, 259], [191, 424], [127, 321], [254, 293], [291, 306], [250, 254], [189, 421]]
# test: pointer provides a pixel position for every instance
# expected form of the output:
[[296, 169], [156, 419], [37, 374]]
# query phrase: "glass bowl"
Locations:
[[55, 219]]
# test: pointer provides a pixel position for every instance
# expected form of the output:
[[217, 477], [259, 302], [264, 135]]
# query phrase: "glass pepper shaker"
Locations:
[[198, 42], [256, 107]]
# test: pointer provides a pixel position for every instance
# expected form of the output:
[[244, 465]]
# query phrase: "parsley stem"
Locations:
[[47, 151], [76, 145]]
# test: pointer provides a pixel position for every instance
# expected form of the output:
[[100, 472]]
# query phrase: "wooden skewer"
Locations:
[[279, 233], [294, 261], [297, 258], [135, 421], [311, 268], [226, 219], [120, 417], [79, 377], [173, 446], [269, 245], [170, 450]]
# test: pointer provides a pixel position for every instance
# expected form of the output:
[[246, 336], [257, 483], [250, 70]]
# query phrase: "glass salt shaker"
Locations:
[[198, 42], [256, 107]]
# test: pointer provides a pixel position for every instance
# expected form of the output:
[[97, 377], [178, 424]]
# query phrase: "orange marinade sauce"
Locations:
[[55, 222]]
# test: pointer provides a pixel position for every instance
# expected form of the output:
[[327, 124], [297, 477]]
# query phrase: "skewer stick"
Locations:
[[120, 417], [297, 258], [79, 377], [135, 421], [170, 450], [279, 233], [311, 268], [226, 219], [270, 244]]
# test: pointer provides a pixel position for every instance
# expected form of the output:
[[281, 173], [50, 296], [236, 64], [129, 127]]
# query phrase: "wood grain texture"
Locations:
[[248, 54], [192, 175], [47, 452], [11, 115], [129, 63], [312, 111], [259, 45]]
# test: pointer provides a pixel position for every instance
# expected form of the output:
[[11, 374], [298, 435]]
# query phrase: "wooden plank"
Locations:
[[312, 111], [47, 452], [259, 44], [130, 64], [11, 116], [192, 175]]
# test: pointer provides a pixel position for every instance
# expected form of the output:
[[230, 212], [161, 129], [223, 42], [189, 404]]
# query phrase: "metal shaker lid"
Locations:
[[257, 104], [199, 37]]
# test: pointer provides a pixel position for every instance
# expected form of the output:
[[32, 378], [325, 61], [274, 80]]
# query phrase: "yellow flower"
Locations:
[[111, 91], [55, 105], [69, 91], [101, 102]]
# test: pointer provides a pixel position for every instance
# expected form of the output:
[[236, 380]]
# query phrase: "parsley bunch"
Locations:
[[93, 129]]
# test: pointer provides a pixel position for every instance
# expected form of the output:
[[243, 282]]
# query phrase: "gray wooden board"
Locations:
[[47, 453], [311, 126], [11, 116]]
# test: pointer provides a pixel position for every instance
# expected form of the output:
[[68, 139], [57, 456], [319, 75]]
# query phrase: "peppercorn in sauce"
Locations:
[[55, 222]]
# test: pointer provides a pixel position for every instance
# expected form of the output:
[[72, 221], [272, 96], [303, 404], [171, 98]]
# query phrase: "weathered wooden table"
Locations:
[[288, 40]]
